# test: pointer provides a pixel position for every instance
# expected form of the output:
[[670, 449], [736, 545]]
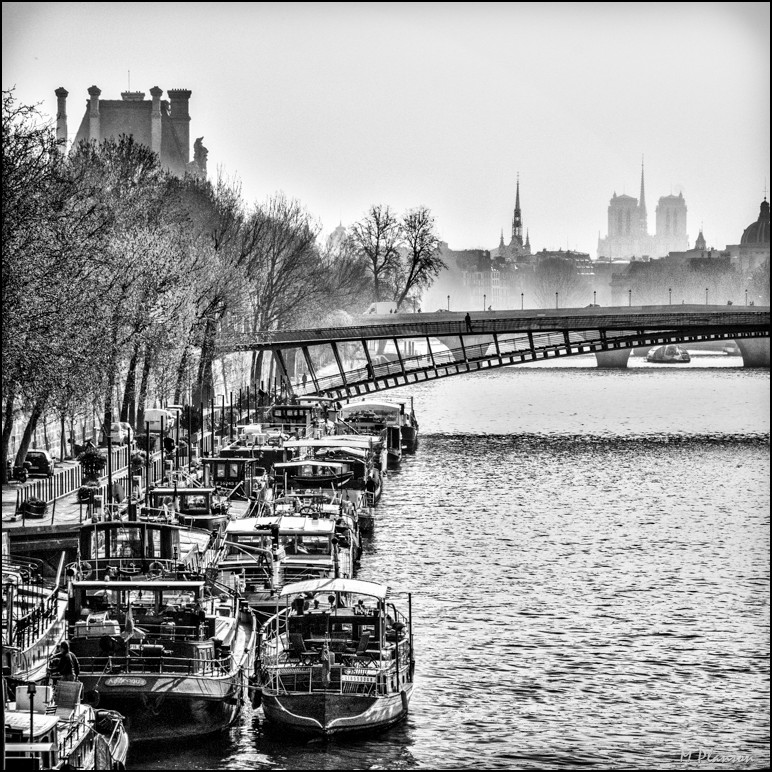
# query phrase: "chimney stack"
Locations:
[[155, 120], [179, 98], [61, 116], [94, 127]]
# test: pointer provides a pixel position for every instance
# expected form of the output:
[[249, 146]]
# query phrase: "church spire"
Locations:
[[642, 205], [517, 220]]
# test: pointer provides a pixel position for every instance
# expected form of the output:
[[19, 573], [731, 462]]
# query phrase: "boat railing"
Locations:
[[29, 628], [74, 731], [157, 664]]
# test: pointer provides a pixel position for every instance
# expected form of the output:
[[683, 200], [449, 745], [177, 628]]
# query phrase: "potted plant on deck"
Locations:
[[92, 462], [34, 507]]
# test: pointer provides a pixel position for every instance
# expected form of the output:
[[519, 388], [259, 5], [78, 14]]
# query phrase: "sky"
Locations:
[[346, 105]]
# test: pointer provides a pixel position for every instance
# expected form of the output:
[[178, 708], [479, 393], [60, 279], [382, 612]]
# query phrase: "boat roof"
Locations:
[[336, 441], [140, 585], [336, 585], [307, 462], [371, 403], [178, 490], [20, 720], [287, 524]]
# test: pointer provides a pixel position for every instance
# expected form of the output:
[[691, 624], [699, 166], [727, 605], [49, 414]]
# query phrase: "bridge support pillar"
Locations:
[[615, 358], [755, 351]]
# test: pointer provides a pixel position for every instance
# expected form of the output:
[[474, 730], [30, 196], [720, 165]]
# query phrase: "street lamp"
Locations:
[[706, 296], [594, 292], [556, 300], [670, 296], [746, 297], [484, 302], [448, 302], [522, 301], [629, 297]]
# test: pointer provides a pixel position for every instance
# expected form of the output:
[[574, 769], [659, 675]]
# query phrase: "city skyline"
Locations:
[[344, 106]]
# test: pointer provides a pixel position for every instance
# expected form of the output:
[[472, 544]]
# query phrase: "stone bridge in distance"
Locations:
[[442, 344]]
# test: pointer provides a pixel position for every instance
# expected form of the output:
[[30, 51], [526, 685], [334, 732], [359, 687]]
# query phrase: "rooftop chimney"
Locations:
[[155, 120], [61, 116], [179, 98], [94, 127]]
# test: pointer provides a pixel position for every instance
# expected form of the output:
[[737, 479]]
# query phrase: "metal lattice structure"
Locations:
[[487, 340]]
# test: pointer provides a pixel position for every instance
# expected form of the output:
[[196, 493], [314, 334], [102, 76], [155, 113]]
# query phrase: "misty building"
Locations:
[[628, 233], [163, 125], [753, 249]]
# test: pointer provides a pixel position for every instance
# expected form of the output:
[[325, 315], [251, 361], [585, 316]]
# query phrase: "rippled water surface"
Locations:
[[588, 553]]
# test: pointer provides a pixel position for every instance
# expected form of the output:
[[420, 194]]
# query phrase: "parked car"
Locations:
[[121, 433], [41, 462]]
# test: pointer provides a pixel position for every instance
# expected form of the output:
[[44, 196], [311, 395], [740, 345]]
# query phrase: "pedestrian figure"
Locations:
[[68, 666], [304, 380], [468, 320], [370, 371]]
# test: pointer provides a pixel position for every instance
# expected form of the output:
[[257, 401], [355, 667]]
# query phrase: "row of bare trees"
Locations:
[[119, 279]]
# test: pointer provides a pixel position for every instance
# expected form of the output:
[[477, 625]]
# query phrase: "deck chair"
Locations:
[[43, 697], [297, 646], [67, 697], [361, 646]]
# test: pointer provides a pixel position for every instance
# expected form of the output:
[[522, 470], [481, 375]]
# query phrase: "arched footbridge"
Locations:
[[374, 353]]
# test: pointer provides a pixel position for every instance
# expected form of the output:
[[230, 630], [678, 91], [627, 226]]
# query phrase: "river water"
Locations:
[[588, 552]]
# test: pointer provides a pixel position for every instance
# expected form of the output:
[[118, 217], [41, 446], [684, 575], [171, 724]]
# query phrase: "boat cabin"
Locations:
[[242, 474], [148, 626], [198, 507], [135, 548], [313, 473]]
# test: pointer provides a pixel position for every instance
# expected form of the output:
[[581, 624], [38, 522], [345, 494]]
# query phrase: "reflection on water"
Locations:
[[588, 553]]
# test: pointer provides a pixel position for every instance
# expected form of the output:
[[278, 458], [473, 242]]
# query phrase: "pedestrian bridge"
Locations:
[[376, 353]]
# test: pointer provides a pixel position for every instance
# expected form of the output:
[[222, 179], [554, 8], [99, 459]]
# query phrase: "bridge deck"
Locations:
[[438, 324]]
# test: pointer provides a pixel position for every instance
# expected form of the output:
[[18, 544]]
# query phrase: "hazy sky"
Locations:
[[440, 104]]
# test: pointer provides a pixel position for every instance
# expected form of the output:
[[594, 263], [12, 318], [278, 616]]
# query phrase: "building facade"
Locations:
[[163, 125], [628, 234]]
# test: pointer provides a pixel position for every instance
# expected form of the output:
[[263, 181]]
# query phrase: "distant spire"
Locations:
[[517, 220], [527, 241]]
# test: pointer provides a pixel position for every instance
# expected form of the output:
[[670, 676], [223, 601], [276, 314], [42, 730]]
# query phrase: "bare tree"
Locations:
[[421, 262], [377, 238], [558, 274]]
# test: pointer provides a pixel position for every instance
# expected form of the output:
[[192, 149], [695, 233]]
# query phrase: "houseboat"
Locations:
[[337, 657], [199, 507], [240, 471], [51, 728], [167, 654], [266, 553], [393, 418], [33, 623]]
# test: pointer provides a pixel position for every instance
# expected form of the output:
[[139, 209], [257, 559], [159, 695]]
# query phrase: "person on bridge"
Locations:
[[468, 320]]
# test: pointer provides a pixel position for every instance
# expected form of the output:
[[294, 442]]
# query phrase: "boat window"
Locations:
[[219, 471], [125, 543], [97, 545], [153, 543], [234, 470], [194, 501]]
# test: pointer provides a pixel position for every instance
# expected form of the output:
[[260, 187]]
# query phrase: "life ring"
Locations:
[[156, 568], [84, 570], [306, 510], [92, 697]]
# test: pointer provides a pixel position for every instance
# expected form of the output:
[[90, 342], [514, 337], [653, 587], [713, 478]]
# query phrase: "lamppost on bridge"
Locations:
[[484, 296], [594, 293], [556, 300], [670, 296], [706, 296], [629, 297], [448, 302], [746, 297], [522, 301]]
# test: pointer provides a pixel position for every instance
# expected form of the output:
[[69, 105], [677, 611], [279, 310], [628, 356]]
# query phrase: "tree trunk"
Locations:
[[182, 370], [147, 366], [6, 435], [205, 376], [128, 408], [29, 429]]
